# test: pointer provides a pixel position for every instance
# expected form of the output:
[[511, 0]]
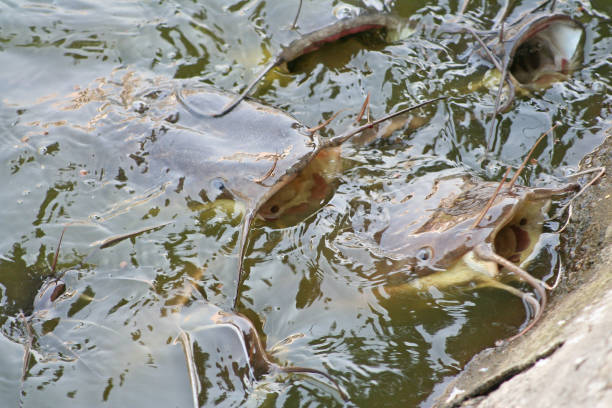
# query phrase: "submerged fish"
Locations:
[[316, 39], [189, 322]]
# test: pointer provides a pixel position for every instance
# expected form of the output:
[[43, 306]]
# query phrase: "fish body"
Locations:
[[330, 33]]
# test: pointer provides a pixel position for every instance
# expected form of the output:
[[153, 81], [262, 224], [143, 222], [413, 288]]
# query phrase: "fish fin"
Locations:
[[59, 244], [242, 244], [183, 338]]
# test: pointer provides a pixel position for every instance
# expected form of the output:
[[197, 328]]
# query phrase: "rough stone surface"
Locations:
[[566, 360]]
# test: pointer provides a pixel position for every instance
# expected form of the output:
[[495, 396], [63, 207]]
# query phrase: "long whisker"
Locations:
[[601, 170], [325, 123], [297, 15], [570, 212], [227, 108], [59, 244], [268, 173], [520, 169], [511, 90], [570, 204], [115, 239], [486, 253], [496, 110], [557, 280], [338, 140], [366, 105], [491, 200], [503, 14], [492, 57], [525, 297], [234, 102], [318, 372], [26, 354]]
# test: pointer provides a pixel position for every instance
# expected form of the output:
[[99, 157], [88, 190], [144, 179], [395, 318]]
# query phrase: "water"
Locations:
[[110, 340]]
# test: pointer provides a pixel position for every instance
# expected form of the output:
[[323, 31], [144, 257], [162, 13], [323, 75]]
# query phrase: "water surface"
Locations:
[[109, 341]]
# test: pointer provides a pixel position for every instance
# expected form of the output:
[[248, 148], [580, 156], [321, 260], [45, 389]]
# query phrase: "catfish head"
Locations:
[[535, 52], [542, 49], [531, 53], [447, 241], [476, 233]]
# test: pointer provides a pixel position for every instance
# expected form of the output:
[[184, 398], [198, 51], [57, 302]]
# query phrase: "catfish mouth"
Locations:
[[547, 51], [512, 241], [509, 248]]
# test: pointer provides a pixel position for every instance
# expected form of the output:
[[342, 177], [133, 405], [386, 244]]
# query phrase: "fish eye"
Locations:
[[274, 209], [425, 253], [218, 184], [523, 221]]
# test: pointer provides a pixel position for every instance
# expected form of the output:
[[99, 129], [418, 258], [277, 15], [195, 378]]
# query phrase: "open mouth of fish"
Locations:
[[546, 50], [443, 250], [514, 238]]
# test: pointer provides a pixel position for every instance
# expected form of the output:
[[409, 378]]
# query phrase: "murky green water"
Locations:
[[110, 340]]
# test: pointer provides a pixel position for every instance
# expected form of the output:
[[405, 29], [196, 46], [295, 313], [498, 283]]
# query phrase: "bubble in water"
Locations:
[[222, 68], [218, 184], [140, 107], [342, 11]]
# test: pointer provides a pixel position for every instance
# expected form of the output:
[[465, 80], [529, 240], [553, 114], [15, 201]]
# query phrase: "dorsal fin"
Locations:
[[366, 105], [59, 244]]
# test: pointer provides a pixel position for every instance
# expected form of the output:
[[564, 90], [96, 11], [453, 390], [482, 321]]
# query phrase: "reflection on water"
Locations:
[[313, 290]]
